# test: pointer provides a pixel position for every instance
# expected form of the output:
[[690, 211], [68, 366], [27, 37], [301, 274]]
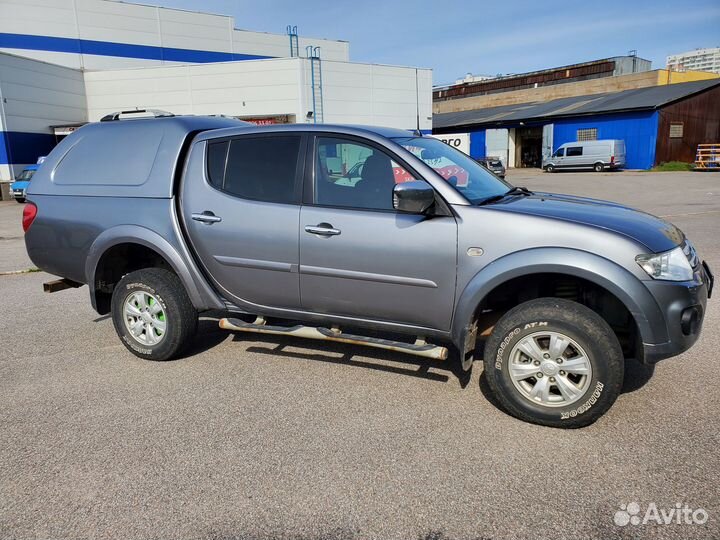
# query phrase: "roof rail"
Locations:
[[156, 113]]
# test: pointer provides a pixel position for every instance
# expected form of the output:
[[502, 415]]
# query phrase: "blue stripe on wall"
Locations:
[[123, 50], [21, 147]]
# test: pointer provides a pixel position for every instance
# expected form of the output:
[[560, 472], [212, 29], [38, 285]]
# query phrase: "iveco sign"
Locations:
[[461, 141]]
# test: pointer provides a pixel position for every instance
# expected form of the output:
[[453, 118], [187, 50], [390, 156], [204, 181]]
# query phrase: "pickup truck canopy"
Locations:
[[122, 158]]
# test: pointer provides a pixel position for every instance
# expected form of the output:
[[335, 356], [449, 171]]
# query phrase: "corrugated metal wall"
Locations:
[[696, 128], [352, 93], [263, 87], [35, 96], [637, 129], [477, 143], [100, 34], [377, 95]]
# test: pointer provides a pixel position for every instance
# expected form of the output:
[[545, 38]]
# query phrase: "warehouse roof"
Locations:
[[628, 100]]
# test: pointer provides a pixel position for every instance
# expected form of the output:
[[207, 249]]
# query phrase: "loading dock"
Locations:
[[528, 147]]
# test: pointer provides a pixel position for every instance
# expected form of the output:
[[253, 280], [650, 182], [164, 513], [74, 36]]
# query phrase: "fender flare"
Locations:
[[603, 272], [200, 296]]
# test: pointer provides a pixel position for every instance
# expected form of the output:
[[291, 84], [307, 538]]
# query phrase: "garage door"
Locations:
[[547, 142], [496, 144]]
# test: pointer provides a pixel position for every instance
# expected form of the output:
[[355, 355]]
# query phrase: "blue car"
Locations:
[[21, 183]]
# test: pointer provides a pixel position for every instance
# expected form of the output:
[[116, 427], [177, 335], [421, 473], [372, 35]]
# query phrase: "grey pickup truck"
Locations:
[[363, 235]]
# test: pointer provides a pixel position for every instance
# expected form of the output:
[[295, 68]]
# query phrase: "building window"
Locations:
[[588, 134], [676, 130]]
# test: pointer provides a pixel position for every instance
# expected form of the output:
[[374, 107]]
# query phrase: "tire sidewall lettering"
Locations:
[[510, 337], [585, 406]]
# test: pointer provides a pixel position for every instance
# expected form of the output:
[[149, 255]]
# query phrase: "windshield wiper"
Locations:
[[517, 190], [512, 191]]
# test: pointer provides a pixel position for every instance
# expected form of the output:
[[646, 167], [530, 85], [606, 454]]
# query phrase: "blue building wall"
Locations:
[[18, 147], [477, 143], [638, 130]]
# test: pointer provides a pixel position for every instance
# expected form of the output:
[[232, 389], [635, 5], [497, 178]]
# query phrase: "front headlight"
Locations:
[[671, 265]]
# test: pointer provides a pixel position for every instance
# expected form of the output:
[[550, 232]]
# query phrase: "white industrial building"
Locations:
[[67, 62]]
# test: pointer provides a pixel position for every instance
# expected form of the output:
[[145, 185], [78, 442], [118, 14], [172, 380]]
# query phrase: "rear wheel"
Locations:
[[599, 167], [152, 314], [554, 362]]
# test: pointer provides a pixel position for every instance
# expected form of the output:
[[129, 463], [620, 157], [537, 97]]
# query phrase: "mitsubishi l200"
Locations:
[[165, 218]]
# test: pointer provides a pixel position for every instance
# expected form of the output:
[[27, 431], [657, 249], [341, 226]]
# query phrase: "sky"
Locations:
[[454, 37]]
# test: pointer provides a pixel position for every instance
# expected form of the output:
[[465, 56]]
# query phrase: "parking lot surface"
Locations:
[[285, 438]]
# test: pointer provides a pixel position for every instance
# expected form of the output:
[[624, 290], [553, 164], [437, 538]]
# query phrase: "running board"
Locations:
[[419, 348]]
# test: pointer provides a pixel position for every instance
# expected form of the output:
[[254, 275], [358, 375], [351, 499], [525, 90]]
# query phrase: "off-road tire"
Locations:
[[182, 316], [580, 324]]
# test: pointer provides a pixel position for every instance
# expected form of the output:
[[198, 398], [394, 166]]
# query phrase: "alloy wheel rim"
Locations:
[[145, 318], [550, 369]]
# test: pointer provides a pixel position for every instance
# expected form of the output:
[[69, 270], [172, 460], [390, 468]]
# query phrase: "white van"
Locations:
[[595, 155]]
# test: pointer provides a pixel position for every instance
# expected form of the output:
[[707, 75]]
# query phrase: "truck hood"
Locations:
[[654, 233]]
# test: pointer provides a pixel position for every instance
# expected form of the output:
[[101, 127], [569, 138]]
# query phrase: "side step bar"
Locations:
[[419, 348]]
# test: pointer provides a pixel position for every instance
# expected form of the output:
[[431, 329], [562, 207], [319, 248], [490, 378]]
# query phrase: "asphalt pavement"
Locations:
[[285, 438]]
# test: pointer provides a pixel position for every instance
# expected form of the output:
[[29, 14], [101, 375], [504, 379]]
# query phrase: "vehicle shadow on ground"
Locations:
[[208, 336], [375, 359], [637, 375]]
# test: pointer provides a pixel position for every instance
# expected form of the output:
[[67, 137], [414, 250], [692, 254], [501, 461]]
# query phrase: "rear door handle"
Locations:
[[323, 229], [206, 217]]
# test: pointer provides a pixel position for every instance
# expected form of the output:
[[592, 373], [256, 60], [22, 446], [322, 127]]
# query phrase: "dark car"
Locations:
[[493, 164]]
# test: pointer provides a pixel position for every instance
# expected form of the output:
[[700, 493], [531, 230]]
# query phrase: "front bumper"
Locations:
[[18, 193], [683, 306]]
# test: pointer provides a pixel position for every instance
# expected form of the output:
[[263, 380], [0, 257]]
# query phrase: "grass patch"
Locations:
[[671, 166]]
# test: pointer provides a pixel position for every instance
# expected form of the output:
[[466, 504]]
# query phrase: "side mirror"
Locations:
[[414, 197]]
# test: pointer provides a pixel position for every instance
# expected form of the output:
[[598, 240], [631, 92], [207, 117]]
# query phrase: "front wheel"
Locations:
[[550, 168], [152, 314], [555, 363]]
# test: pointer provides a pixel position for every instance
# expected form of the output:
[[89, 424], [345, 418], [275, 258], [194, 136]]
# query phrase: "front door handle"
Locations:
[[323, 229], [206, 217]]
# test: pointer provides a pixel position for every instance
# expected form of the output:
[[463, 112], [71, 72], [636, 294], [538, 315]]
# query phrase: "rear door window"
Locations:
[[262, 168]]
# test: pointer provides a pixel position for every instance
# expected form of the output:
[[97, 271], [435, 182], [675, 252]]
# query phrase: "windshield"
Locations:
[[25, 175], [462, 172]]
